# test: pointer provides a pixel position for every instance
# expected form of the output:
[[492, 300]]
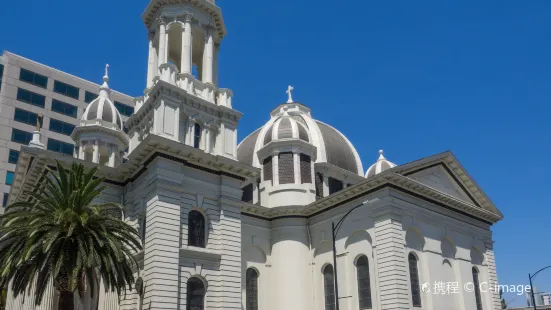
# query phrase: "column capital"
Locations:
[[186, 17], [162, 20], [209, 32], [212, 125], [151, 35]]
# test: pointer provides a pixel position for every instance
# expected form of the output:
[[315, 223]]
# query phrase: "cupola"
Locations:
[[99, 136], [301, 158], [379, 166]]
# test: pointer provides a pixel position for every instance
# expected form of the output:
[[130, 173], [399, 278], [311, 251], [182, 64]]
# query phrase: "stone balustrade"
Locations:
[[189, 83], [193, 86], [168, 73], [224, 97]]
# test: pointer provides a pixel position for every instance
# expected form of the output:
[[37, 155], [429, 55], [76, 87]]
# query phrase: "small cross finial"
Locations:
[[106, 77], [289, 90]]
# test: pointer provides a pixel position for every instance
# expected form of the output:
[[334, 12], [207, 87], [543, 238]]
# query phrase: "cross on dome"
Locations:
[[104, 89], [106, 76], [289, 90]]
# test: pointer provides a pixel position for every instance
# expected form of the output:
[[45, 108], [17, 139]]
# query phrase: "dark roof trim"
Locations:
[[181, 161], [175, 159], [392, 186]]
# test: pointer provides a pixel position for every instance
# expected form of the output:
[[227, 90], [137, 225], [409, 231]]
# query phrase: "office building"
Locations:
[[29, 90]]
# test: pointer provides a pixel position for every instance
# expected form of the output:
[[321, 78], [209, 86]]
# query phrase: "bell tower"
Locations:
[[184, 40], [182, 100]]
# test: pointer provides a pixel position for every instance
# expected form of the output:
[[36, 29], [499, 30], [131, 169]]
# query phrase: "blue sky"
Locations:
[[414, 78]]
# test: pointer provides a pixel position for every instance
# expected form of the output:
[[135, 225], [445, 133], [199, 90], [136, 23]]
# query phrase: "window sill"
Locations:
[[200, 253]]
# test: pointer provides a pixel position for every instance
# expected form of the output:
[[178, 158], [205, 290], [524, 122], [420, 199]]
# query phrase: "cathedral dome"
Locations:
[[381, 165], [293, 121], [102, 107]]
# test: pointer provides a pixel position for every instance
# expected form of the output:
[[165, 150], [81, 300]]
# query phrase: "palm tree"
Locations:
[[59, 234]]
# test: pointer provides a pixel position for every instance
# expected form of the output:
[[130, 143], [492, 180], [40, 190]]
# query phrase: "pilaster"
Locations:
[[296, 167], [492, 275], [107, 300], [391, 261], [230, 264], [161, 252], [275, 170]]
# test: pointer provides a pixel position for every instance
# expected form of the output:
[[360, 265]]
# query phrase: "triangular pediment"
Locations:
[[440, 179], [443, 173]]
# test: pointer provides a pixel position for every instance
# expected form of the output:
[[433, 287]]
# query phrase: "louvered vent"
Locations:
[[247, 193], [334, 186], [305, 169], [286, 168]]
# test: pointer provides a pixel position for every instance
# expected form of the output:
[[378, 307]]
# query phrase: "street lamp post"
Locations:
[[335, 230], [531, 277]]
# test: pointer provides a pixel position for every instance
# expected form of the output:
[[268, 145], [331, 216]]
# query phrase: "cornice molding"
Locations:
[[32, 162], [373, 184], [454, 167], [340, 173], [288, 145], [152, 11], [188, 102], [97, 128]]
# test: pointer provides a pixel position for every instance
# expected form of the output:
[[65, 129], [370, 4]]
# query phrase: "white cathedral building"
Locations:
[[248, 226]]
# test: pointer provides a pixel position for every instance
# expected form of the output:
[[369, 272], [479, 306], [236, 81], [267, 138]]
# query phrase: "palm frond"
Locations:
[[61, 236]]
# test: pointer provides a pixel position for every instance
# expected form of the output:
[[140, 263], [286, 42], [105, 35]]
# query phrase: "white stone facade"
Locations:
[[249, 226]]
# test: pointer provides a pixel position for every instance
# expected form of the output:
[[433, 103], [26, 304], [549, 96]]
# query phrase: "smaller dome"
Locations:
[[381, 165], [102, 107]]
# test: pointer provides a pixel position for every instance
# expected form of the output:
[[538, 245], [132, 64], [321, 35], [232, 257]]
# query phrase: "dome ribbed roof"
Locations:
[[246, 148], [381, 165], [293, 122], [287, 127], [102, 107]]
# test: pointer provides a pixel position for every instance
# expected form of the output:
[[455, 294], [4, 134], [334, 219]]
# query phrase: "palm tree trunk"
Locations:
[[66, 301]]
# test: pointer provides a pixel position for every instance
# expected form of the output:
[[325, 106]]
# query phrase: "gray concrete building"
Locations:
[[29, 90]]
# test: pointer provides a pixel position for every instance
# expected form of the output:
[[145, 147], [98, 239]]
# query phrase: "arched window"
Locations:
[[196, 229], [364, 284], [414, 279], [329, 284], [196, 135], [195, 294], [476, 283], [251, 289]]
